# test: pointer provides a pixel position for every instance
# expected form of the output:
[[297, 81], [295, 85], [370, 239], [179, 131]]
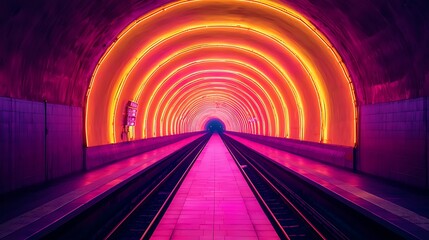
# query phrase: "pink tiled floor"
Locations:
[[214, 202]]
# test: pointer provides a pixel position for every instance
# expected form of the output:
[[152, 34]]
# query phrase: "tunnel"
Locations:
[[215, 125], [327, 85]]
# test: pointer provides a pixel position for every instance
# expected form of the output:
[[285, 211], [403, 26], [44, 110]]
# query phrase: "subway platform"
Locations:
[[30, 214], [214, 201], [404, 209]]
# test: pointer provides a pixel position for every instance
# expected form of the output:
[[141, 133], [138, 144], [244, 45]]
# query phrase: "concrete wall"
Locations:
[[101, 155], [29, 154], [394, 141], [335, 155]]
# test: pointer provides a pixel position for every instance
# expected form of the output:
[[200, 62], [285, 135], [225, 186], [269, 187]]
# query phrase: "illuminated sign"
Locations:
[[131, 113]]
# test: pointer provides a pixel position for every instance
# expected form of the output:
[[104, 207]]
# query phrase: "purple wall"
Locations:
[[394, 141], [23, 142], [101, 155], [64, 140], [335, 155]]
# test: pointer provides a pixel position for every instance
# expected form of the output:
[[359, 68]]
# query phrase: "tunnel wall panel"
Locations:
[[393, 141], [101, 155], [22, 142], [335, 155], [64, 140]]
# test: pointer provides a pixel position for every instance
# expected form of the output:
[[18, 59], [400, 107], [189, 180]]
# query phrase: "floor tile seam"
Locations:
[[243, 197], [193, 177], [214, 181], [214, 192]]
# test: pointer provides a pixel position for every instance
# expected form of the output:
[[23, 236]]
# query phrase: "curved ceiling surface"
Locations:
[[257, 66]]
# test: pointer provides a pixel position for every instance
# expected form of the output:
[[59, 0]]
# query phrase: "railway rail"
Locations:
[[133, 210]]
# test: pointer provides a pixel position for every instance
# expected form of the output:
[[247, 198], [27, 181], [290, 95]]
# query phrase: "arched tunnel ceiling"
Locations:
[[282, 56], [50, 50]]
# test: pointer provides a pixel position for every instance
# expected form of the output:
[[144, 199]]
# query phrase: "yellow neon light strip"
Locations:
[[176, 93], [189, 99], [278, 8], [261, 74], [157, 107]]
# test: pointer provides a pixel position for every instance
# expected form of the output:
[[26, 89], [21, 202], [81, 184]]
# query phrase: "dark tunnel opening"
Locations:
[[215, 125]]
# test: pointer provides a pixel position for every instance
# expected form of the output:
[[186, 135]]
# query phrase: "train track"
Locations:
[[141, 221], [297, 209], [134, 209]]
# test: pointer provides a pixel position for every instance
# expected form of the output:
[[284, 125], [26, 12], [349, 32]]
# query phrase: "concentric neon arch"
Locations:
[[257, 71], [235, 105], [186, 95], [263, 97], [247, 98], [208, 113], [241, 89], [196, 112], [261, 55], [219, 96], [197, 120], [301, 129], [229, 116], [327, 85], [164, 80], [184, 51]]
